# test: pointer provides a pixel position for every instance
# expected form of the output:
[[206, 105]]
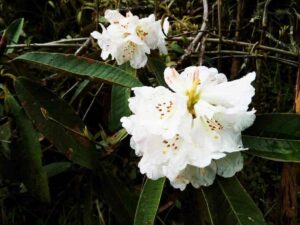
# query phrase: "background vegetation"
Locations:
[[96, 179]]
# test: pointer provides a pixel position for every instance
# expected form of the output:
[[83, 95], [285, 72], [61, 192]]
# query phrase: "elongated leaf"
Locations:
[[275, 137], [58, 122], [195, 208], [119, 100], [87, 202], [229, 203], [5, 135], [81, 66], [121, 201], [157, 67], [276, 125], [119, 106], [13, 32], [28, 154], [149, 202], [56, 168], [274, 149], [80, 88]]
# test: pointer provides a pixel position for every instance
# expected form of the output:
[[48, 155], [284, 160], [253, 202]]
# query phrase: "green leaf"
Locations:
[[5, 135], [275, 137], [119, 100], [28, 154], [56, 168], [121, 201], [149, 202], [176, 48], [276, 125], [55, 119], [273, 149], [229, 203], [60, 124], [80, 88], [13, 32], [157, 66], [81, 66]]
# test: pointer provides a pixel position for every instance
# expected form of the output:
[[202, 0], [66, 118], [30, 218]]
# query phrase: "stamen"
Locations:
[[193, 96], [213, 126], [164, 108], [171, 144]]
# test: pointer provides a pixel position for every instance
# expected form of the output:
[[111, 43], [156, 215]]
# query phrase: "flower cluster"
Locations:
[[193, 131], [130, 38]]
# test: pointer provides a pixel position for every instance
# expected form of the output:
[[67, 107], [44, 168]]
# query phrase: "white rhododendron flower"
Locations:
[[192, 132], [129, 38]]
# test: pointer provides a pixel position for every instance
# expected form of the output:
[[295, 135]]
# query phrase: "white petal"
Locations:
[[113, 16], [230, 164], [173, 80], [196, 176], [181, 83], [231, 141], [162, 49], [104, 54], [96, 34], [139, 60], [202, 108], [235, 119], [166, 25], [203, 176], [151, 170], [161, 111], [236, 93]]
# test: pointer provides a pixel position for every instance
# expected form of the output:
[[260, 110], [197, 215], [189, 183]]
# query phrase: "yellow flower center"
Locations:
[[193, 97], [142, 34]]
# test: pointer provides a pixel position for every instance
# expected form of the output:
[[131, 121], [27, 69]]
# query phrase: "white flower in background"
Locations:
[[151, 32], [193, 133], [129, 38]]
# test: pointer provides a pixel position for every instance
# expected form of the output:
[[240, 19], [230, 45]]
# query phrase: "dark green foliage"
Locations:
[[60, 132], [274, 136], [81, 66], [149, 201], [28, 153], [234, 205]]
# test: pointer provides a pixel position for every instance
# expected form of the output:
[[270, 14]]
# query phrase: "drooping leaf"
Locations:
[[121, 201], [80, 88], [276, 125], [275, 137], [28, 154], [56, 168], [157, 66], [87, 202], [195, 207], [5, 134], [59, 123], [13, 33], [273, 148], [55, 119], [149, 202], [81, 66], [229, 203], [119, 101]]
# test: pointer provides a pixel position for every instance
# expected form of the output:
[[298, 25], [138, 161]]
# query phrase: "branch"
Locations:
[[219, 31], [250, 45], [241, 54], [196, 40], [38, 45], [58, 43]]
